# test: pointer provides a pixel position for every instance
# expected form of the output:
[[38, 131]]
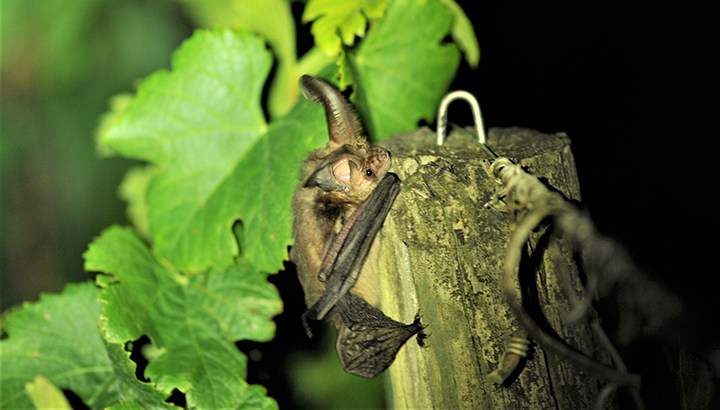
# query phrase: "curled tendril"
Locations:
[[528, 202]]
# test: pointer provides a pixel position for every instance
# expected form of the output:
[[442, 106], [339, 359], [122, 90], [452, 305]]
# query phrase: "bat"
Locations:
[[339, 207]]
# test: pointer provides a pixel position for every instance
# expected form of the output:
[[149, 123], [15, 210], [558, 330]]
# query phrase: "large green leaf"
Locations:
[[193, 320], [402, 68], [273, 20], [463, 33], [129, 388], [58, 338], [203, 125], [46, 395], [133, 189]]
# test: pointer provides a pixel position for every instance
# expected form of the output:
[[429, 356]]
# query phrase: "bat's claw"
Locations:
[[305, 324], [420, 337], [419, 327]]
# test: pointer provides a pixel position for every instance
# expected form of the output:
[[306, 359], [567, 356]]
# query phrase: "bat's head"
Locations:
[[349, 166], [352, 174]]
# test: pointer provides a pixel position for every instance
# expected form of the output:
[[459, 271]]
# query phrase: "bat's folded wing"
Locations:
[[346, 256]]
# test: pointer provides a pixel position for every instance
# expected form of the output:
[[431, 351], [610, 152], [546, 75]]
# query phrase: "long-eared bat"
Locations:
[[339, 207]]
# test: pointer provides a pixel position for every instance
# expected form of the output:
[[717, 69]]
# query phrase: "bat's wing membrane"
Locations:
[[369, 341]]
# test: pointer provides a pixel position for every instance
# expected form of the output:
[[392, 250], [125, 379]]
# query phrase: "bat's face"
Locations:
[[359, 175]]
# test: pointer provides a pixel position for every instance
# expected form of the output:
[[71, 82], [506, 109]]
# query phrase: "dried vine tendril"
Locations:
[[528, 202]]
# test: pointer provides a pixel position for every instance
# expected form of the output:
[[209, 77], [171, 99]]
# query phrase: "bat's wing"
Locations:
[[346, 256], [369, 340]]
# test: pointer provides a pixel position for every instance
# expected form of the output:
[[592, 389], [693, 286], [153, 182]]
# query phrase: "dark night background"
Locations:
[[633, 86]]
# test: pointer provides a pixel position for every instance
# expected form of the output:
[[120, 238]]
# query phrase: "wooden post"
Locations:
[[441, 252]]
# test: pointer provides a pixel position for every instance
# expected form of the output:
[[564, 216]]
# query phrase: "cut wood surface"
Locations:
[[441, 253]]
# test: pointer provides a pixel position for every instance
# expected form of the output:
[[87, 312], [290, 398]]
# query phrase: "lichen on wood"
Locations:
[[441, 253]]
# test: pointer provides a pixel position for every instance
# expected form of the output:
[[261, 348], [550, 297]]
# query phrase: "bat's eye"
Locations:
[[369, 172]]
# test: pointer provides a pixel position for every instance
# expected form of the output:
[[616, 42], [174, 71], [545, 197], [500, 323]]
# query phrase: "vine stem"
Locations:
[[530, 199]]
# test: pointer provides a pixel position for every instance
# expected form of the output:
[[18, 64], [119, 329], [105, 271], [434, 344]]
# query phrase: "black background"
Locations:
[[633, 87]]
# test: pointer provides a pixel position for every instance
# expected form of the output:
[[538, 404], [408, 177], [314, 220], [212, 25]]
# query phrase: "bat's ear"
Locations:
[[342, 127], [324, 178]]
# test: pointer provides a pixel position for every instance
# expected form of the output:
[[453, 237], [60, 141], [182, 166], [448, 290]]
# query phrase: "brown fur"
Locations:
[[318, 214]]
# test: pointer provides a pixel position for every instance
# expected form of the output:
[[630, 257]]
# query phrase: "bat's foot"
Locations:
[[420, 337], [419, 330]]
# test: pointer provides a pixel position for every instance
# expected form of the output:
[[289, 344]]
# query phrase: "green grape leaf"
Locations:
[[202, 124], [338, 22], [464, 34], [344, 71], [133, 189], [402, 69], [273, 20], [130, 404], [193, 320], [45, 395], [58, 338], [129, 388], [118, 104]]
